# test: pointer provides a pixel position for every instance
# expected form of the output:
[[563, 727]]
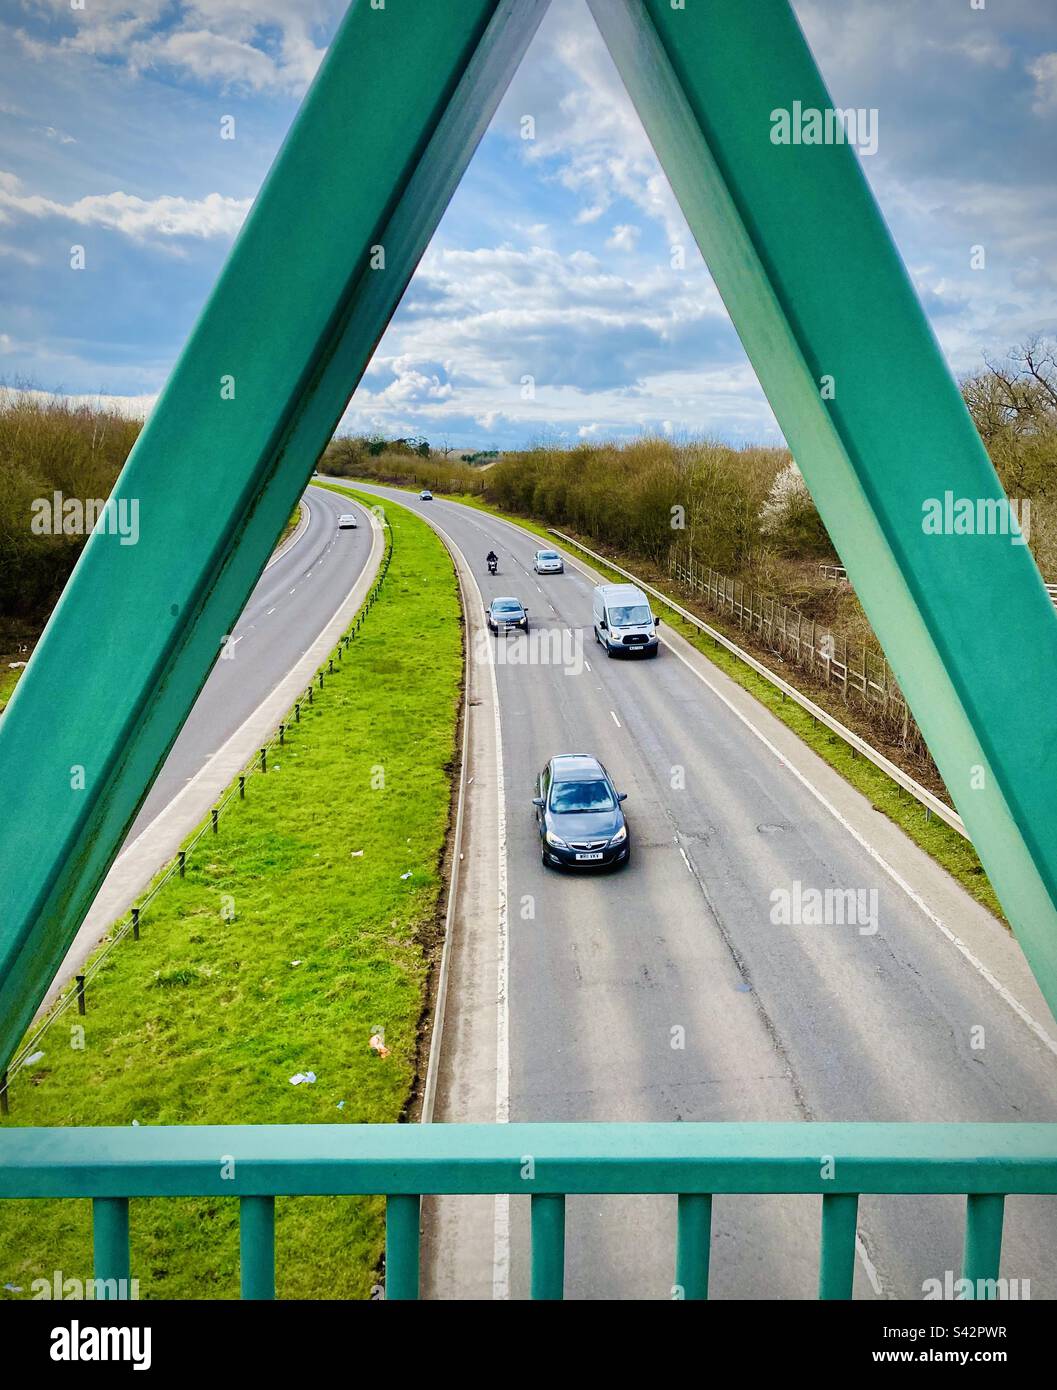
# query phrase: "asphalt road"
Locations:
[[665, 991], [294, 599]]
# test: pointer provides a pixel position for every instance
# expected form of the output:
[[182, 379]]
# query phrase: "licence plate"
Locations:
[[590, 856]]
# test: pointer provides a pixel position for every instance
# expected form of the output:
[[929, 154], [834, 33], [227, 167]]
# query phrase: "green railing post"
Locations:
[[836, 1270], [693, 1244], [401, 1247], [983, 1241], [257, 1247], [548, 1246], [110, 1246]]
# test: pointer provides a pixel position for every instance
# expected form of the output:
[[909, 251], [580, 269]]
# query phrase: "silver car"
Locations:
[[347, 522], [548, 562]]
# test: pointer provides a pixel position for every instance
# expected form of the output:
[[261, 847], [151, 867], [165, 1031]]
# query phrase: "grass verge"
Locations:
[[332, 869], [944, 845]]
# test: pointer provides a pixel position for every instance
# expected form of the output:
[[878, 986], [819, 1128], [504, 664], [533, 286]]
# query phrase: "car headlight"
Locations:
[[555, 840], [620, 836]]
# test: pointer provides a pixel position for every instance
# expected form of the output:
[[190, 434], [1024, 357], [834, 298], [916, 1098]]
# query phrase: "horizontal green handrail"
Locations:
[[546, 1162], [307, 1160]]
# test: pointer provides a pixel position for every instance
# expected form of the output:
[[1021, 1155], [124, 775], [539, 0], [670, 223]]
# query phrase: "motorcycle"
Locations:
[[493, 566]]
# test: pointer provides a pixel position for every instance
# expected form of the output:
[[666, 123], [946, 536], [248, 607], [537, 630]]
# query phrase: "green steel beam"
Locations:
[[375, 153], [816, 289], [409, 1160], [822, 302]]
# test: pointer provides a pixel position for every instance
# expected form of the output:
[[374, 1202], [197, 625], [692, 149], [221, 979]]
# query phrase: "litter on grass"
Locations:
[[303, 1078]]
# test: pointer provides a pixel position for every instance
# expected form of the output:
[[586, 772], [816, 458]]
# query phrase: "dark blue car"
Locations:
[[579, 815], [507, 615]]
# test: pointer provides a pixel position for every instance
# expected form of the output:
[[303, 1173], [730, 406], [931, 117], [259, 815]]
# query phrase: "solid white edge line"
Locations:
[[436, 1037], [501, 1233], [295, 535], [501, 1258]]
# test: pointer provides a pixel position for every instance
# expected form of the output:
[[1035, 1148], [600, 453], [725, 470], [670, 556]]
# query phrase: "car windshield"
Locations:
[[506, 605], [629, 615], [548, 555], [578, 797]]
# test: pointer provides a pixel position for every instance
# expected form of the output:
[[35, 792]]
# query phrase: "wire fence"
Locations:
[[77, 992], [863, 676]]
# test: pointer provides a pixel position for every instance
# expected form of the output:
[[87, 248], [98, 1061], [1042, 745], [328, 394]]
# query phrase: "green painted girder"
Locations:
[[709, 1157], [375, 153], [816, 289]]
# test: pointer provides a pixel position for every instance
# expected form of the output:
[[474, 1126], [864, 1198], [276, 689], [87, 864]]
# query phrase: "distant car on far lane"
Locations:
[[425, 495], [505, 614], [347, 522], [548, 562]]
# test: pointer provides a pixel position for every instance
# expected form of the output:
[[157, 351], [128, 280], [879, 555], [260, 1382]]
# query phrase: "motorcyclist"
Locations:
[[491, 559]]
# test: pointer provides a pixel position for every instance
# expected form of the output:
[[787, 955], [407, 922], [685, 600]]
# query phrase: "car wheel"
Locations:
[[609, 650], [653, 652]]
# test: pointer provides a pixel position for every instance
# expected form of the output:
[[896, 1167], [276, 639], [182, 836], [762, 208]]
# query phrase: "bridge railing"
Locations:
[[548, 1162]]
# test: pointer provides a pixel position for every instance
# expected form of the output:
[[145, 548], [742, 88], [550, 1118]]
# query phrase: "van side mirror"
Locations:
[[656, 621], [603, 624], [537, 801], [622, 796]]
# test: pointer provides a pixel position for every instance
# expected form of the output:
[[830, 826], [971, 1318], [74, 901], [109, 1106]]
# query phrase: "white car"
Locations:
[[548, 562], [347, 522], [425, 495]]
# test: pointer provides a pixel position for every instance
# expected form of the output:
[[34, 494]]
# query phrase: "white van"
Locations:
[[624, 621]]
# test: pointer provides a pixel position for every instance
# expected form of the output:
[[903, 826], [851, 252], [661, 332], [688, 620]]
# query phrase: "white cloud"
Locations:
[[625, 237], [134, 407], [259, 45], [138, 218], [588, 135], [1044, 71]]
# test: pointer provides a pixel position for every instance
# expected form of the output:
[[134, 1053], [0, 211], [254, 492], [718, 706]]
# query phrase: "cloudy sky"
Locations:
[[554, 257]]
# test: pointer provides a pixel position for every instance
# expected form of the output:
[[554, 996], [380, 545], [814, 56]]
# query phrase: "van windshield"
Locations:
[[629, 615]]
